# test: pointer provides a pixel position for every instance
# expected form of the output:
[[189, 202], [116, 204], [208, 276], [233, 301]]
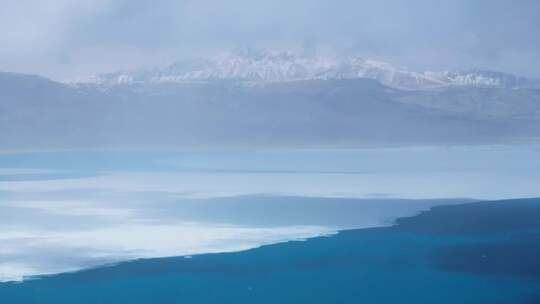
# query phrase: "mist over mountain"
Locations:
[[260, 65], [268, 99]]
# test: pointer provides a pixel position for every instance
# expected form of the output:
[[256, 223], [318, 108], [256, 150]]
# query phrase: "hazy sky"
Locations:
[[70, 38]]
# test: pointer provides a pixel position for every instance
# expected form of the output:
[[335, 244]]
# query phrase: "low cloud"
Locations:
[[61, 38]]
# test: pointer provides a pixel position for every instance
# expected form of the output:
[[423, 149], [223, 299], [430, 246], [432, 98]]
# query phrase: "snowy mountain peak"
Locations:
[[255, 65]]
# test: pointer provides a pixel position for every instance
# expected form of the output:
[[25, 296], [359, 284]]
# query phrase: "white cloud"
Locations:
[[29, 25], [63, 38]]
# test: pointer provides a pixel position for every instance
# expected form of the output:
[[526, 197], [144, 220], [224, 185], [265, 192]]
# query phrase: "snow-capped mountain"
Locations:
[[37, 113], [267, 66]]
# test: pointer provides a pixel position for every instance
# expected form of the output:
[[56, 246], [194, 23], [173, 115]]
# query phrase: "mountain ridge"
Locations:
[[270, 66], [37, 113]]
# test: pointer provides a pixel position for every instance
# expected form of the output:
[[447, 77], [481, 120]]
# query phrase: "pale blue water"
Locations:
[[497, 172], [391, 160]]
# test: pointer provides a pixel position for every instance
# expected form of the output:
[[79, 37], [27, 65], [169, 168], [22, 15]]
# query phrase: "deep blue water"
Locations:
[[472, 253]]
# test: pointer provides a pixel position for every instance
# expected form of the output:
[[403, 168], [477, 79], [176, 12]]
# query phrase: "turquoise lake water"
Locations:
[[471, 253]]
